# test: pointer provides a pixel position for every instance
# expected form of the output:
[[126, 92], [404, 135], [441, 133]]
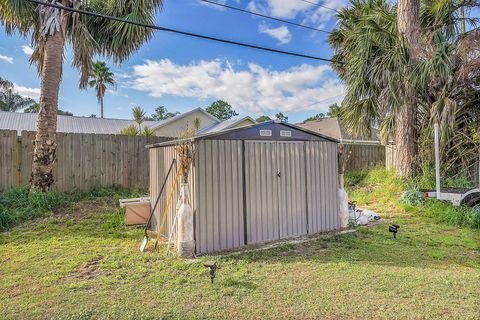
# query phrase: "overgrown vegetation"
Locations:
[[432, 76], [18, 205], [382, 188]]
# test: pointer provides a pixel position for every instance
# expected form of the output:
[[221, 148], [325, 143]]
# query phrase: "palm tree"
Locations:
[[403, 88], [50, 28], [139, 117], [100, 77], [406, 133]]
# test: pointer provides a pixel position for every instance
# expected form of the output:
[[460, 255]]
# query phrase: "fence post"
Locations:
[[19, 180]]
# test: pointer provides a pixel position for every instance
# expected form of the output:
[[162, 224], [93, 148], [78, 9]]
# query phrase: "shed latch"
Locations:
[[278, 174]]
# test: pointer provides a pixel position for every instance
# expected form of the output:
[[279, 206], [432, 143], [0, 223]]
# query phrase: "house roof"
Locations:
[[333, 127], [163, 123], [227, 124], [71, 124], [242, 128]]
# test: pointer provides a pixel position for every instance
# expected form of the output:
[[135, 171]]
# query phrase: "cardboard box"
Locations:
[[137, 212]]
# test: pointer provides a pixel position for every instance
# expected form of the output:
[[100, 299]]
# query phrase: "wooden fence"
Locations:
[[390, 156], [363, 156], [84, 161]]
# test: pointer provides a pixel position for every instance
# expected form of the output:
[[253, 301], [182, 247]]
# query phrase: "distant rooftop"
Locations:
[[69, 124], [227, 124], [333, 127]]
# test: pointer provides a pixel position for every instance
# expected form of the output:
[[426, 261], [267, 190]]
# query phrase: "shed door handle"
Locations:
[[278, 174]]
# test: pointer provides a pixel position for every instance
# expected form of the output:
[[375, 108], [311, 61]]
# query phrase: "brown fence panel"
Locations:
[[390, 156], [363, 156], [84, 161], [9, 159]]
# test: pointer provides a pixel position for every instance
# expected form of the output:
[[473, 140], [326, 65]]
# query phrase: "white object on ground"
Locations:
[[343, 200], [363, 216]]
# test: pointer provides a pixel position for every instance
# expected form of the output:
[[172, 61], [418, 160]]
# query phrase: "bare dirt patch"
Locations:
[[89, 270], [86, 208]]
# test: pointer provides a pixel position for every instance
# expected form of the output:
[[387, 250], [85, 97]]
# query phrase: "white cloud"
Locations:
[[7, 59], [324, 14], [289, 9], [282, 34], [27, 50], [281, 8], [253, 90], [116, 93], [33, 93]]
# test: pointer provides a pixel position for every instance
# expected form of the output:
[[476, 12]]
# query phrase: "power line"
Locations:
[[322, 101], [190, 34], [263, 15], [319, 5]]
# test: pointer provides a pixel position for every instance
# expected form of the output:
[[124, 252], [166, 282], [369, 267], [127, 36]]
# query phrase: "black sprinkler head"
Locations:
[[394, 229], [212, 268]]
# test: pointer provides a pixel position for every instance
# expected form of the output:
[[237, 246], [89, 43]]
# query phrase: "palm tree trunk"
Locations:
[[44, 153], [101, 107], [406, 134]]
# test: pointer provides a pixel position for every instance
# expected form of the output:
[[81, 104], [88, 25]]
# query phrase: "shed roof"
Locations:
[[71, 124], [334, 127], [245, 133]]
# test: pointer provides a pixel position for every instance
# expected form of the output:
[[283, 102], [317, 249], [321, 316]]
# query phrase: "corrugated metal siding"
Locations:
[[219, 207], [261, 192], [71, 124], [322, 186], [303, 199], [276, 205], [291, 187]]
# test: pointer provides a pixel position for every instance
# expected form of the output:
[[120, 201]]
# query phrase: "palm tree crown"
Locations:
[[50, 29], [445, 76], [100, 77]]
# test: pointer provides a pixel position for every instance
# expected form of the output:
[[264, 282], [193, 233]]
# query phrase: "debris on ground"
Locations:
[[361, 216]]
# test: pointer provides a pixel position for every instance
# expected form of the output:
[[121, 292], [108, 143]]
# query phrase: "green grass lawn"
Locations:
[[83, 263]]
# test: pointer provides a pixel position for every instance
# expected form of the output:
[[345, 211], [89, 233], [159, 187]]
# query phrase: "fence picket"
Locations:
[[84, 161]]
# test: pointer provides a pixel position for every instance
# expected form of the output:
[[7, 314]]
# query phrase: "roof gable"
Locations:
[[270, 130], [180, 116]]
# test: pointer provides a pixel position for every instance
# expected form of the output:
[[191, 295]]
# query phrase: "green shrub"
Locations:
[[413, 197]]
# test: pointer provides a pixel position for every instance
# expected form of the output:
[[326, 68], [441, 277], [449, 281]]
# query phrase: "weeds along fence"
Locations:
[[84, 161], [362, 156]]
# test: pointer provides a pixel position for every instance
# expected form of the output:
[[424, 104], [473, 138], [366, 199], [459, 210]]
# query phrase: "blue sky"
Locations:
[[182, 73]]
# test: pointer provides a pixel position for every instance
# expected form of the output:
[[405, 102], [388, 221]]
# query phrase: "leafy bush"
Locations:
[[413, 197], [18, 205]]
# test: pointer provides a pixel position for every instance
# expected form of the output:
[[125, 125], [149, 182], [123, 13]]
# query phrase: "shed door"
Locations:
[[291, 189], [261, 191], [275, 190]]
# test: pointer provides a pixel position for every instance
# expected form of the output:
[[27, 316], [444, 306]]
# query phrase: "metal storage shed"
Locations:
[[254, 184]]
